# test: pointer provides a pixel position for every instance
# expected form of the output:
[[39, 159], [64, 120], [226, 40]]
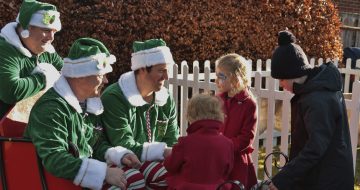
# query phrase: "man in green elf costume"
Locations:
[[139, 112], [64, 129], [28, 61]]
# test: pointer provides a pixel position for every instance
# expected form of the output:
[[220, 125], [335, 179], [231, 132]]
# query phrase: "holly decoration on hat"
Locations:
[[102, 64], [104, 61], [48, 18]]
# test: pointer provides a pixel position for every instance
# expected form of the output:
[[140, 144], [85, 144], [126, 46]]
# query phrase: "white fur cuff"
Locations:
[[91, 174], [153, 151], [114, 155]]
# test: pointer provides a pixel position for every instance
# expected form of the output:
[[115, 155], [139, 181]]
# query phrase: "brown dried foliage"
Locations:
[[196, 30]]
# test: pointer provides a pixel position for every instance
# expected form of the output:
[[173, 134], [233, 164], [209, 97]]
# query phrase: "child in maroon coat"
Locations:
[[203, 159], [240, 114]]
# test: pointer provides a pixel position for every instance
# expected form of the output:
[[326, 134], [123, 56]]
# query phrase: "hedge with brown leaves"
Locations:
[[196, 30]]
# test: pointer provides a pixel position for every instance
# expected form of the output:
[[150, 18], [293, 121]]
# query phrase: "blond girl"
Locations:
[[240, 114]]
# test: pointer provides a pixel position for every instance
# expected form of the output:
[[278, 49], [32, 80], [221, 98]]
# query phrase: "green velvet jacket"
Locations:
[[16, 65], [57, 129], [124, 117]]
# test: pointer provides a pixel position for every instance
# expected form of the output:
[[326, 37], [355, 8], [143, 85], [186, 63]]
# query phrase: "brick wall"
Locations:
[[349, 6]]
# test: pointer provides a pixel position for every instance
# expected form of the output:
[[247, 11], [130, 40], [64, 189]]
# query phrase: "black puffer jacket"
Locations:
[[320, 154]]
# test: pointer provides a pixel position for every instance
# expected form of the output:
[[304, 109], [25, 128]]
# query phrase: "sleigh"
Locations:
[[20, 167]]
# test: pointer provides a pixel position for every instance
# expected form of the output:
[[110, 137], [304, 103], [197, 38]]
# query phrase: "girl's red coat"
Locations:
[[240, 126]]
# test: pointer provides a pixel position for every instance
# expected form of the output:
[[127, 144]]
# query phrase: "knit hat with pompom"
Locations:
[[289, 60]]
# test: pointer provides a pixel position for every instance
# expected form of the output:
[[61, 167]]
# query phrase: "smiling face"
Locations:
[[156, 76], [95, 84], [38, 39]]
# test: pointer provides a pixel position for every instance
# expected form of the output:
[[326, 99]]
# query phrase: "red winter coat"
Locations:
[[202, 160], [240, 126]]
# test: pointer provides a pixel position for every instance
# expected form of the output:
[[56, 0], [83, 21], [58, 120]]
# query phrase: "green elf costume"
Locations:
[[131, 122], [22, 73], [65, 132]]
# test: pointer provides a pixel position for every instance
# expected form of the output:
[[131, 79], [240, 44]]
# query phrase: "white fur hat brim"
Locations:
[[150, 57], [88, 66], [37, 19]]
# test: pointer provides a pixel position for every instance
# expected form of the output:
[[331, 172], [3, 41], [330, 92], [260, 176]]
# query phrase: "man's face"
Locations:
[[38, 39], [95, 84], [157, 76]]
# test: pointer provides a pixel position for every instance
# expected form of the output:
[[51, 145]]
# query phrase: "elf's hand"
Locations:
[[116, 176], [131, 160]]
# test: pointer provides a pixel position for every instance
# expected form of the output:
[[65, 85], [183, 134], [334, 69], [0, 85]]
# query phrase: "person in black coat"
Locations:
[[320, 154], [354, 54]]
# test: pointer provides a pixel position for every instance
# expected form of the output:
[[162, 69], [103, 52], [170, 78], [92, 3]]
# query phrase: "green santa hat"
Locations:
[[39, 14], [150, 52], [87, 57]]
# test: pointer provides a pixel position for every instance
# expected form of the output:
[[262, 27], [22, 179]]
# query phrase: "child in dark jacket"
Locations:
[[320, 152], [204, 158], [240, 114]]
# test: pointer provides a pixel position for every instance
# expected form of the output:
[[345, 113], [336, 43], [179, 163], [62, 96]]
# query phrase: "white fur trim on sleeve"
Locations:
[[153, 151], [91, 174], [114, 155]]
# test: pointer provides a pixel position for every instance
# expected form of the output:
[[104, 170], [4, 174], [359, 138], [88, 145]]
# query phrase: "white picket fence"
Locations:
[[183, 84]]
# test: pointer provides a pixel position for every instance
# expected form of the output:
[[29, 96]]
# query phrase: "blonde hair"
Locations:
[[204, 106], [237, 67]]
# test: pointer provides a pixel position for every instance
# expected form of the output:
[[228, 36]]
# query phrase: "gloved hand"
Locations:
[[50, 72]]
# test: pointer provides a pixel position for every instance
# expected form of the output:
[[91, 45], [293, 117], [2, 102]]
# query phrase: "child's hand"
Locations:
[[131, 160], [272, 186], [167, 151]]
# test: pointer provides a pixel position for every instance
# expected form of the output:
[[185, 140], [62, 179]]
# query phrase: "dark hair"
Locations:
[[148, 69]]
